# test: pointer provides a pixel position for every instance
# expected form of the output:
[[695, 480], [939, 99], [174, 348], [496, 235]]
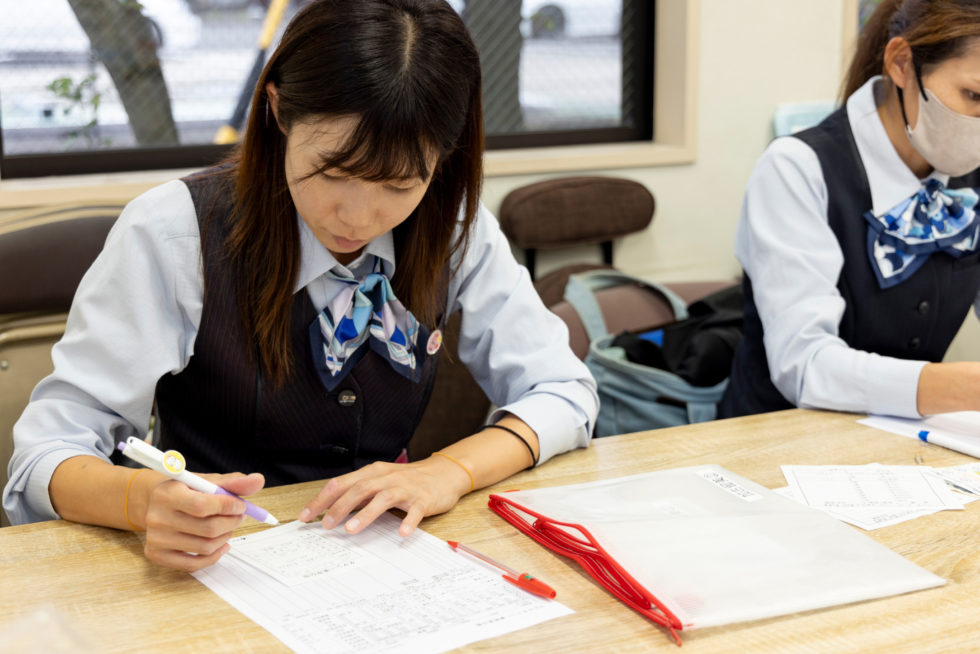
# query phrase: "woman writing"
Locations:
[[284, 309], [859, 237]]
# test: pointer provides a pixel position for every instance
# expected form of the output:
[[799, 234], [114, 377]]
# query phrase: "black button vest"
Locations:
[[223, 416], [916, 319]]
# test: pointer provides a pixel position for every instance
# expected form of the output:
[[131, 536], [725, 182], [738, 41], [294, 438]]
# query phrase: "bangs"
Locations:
[[378, 153]]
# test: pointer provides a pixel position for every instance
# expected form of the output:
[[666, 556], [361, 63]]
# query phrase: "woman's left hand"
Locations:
[[433, 485]]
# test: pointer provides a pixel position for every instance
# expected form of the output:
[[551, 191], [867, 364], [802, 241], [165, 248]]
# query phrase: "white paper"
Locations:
[[965, 477], [327, 591], [297, 552], [958, 431], [867, 519], [871, 487]]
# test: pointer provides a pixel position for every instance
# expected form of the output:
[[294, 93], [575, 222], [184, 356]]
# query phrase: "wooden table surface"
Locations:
[[99, 581]]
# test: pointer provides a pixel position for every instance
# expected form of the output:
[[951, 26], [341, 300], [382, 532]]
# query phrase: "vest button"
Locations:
[[915, 343], [347, 398], [923, 308]]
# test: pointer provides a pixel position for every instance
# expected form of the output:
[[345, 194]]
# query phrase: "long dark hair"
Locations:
[[936, 30], [409, 71]]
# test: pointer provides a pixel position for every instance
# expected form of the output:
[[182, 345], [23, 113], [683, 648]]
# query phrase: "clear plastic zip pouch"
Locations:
[[701, 546]]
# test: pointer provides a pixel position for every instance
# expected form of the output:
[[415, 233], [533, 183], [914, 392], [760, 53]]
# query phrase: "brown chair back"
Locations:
[[571, 211]]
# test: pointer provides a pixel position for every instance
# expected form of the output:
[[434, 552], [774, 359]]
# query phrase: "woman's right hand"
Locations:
[[189, 530]]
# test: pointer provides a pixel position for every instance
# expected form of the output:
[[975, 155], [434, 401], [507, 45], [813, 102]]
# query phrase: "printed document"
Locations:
[[965, 478], [871, 496], [320, 590]]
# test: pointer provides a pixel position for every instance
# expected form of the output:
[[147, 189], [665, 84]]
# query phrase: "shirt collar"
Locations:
[[316, 260], [891, 181]]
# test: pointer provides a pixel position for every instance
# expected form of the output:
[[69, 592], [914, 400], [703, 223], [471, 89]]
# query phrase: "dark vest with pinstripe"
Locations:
[[916, 319], [223, 416]]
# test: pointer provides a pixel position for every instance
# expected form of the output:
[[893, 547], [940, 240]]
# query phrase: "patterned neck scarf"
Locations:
[[365, 311], [935, 219]]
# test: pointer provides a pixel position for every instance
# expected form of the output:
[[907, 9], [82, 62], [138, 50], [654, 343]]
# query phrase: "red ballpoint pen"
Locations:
[[520, 579]]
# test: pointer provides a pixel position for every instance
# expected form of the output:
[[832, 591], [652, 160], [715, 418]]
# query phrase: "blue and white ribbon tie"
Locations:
[[368, 312], [935, 219]]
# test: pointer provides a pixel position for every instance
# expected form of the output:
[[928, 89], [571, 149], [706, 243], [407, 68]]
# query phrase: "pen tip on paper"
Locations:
[[270, 520]]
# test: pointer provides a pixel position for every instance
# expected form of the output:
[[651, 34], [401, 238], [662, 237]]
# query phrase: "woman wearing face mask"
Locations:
[[859, 237], [284, 310]]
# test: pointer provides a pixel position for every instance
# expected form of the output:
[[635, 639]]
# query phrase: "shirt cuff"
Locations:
[[895, 386], [37, 497], [559, 425], [34, 505]]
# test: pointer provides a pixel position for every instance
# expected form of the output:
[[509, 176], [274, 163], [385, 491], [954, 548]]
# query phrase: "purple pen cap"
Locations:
[[251, 510]]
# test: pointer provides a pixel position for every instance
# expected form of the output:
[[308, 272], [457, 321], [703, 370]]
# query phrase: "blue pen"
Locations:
[[171, 463], [958, 442]]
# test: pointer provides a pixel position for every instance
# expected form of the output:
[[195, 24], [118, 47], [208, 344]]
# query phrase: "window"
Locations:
[[150, 84]]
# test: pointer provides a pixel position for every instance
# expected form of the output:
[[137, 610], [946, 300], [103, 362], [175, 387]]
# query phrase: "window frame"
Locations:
[[636, 126], [675, 100]]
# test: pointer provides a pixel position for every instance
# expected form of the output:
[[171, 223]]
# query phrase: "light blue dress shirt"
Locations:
[[136, 313], [794, 271]]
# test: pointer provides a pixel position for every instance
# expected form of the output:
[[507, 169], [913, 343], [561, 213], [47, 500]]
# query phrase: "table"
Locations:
[[99, 580]]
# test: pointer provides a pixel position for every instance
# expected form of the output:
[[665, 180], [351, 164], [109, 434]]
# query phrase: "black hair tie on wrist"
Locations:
[[534, 458]]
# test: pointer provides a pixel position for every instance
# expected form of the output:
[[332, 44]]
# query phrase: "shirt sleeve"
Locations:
[[786, 246], [134, 318], [515, 348]]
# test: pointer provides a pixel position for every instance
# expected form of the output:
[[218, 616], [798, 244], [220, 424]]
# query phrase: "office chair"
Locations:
[[43, 255], [571, 211]]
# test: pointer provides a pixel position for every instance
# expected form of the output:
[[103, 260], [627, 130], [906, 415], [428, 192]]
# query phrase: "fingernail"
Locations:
[[304, 515], [352, 524], [328, 521]]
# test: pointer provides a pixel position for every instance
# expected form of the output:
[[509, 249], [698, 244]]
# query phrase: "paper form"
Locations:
[[867, 519], [296, 552], [321, 590], [871, 487], [871, 496], [965, 477]]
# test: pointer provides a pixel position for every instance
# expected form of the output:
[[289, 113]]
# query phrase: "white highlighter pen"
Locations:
[[172, 464]]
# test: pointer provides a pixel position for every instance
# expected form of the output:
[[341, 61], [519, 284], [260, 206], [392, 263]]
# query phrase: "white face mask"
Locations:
[[948, 140]]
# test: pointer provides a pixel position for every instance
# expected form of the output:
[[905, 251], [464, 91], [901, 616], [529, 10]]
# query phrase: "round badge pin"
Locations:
[[435, 342]]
